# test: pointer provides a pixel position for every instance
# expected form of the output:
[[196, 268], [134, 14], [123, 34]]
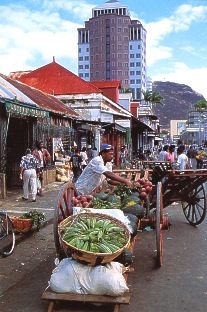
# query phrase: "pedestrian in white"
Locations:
[[182, 159], [29, 170]]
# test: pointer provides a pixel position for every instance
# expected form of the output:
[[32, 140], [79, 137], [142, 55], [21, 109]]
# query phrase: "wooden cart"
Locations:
[[169, 186], [64, 209]]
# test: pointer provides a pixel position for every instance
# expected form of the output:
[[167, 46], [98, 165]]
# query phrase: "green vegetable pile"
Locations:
[[95, 235], [37, 217]]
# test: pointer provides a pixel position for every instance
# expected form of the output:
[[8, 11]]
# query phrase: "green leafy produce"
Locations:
[[122, 190], [105, 204], [37, 217]]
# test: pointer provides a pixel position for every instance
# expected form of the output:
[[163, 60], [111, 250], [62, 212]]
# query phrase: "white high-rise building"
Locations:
[[112, 46]]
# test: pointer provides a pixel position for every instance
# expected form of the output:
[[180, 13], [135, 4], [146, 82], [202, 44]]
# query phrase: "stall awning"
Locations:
[[25, 110], [119, 128]]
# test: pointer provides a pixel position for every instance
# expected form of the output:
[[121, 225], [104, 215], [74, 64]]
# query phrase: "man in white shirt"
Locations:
[[98, 170]]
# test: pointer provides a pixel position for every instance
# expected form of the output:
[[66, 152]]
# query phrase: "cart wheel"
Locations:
[[159, 222], [194, 206], [63, 210]]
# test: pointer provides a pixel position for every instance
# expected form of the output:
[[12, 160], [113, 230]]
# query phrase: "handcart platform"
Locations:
[[54, 297]]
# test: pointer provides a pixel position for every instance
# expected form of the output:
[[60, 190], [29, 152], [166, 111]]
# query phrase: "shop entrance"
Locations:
[[19, 137]]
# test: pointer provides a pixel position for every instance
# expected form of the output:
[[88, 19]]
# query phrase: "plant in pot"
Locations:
[[38, 218], [25, 222]]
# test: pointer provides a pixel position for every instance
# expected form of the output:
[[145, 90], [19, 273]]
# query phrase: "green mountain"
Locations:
[[178, 100]]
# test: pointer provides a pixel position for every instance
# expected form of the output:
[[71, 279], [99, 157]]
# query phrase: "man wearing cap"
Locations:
[[98, 170]]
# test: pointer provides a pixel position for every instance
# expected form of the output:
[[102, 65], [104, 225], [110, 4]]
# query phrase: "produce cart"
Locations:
[[64, 209]]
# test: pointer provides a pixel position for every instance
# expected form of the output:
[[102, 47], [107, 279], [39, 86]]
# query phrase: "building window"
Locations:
[[119, 73], [80, 66], [126, 81], [86, 75], [131, 55], [130, 47], [132, 64], [138, 64], [119, 55], [87, 50], [79, 50], [138, 72], [138, 81], [86, 58], [81, 75], [138, 46], [132, 73], [119, 65], [119, 46], [138, 55], [132, 81], [86, 66], [80, 58]]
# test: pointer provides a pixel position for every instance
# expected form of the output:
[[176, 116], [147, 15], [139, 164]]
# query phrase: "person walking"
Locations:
[[182, 159], [43, 156], [29, 170], [76, 165], [191, 153]]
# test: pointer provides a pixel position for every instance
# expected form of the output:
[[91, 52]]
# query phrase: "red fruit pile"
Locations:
[[144, 187], [82, 200]]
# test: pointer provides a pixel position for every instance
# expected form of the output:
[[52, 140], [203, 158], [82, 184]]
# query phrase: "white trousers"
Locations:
[[29, 179]]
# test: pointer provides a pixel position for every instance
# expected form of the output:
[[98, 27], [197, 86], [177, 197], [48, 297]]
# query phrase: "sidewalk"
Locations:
[[15, 206]]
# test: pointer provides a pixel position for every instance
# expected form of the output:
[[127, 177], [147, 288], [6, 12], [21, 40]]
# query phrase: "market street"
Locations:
[[179, 285]]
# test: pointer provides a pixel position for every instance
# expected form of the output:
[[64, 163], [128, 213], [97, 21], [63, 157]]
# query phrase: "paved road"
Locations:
[[179, 285]]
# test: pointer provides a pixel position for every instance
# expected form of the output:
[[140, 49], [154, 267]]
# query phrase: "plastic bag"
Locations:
[[38, 183], [73, 277]]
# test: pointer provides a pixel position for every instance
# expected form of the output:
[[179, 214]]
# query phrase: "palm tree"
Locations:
[[152, 97], [156, 98], [147, 96], [200, 106]]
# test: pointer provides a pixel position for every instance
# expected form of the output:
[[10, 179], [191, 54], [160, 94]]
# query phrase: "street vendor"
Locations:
[[99, 169]]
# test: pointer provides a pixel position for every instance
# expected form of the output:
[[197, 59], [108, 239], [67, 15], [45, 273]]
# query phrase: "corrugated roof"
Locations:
[[56, 80], [8, 91], [37, 97]]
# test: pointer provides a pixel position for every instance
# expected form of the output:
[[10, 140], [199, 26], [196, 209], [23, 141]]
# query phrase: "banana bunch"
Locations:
[[94, 235]]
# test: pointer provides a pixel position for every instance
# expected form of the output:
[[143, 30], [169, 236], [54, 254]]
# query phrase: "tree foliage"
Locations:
[[152, 97]]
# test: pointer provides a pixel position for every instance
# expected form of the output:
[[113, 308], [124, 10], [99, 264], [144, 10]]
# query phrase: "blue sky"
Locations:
[[33, 31]]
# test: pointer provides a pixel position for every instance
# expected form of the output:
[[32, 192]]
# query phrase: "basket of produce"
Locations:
[[93, 238], [21, 225]]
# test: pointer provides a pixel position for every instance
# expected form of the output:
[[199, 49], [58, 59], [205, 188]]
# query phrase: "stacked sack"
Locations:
[[61, 175]]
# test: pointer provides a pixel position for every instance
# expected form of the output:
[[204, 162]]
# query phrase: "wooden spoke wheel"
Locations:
[[194, 206], [159, 224], [64, 209]]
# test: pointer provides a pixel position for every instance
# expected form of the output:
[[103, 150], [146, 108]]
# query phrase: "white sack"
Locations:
[[73, 277]]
